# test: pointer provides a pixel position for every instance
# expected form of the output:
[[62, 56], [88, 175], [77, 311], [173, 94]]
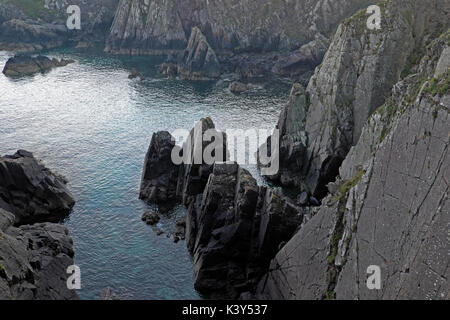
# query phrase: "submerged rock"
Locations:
[[26, 65], [150, 217], [238, 87], [135, 74]]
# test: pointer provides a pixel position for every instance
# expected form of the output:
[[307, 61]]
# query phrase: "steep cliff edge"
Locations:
[[355, 78], [390, 205]]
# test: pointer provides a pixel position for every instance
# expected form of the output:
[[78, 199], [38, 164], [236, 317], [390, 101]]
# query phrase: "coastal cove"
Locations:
[[90, 123]]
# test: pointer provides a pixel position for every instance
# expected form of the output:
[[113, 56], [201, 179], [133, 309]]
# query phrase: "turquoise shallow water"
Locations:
[[92, 124]]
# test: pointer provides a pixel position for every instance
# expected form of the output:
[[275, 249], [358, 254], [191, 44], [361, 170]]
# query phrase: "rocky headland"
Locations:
[[34, 251], [365, 145]]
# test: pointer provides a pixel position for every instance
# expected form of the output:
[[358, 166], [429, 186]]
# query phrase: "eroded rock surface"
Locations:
[[357, 74], [33, 257], [390, 208]]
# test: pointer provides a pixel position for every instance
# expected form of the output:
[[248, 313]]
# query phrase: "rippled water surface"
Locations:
[[92, 124]]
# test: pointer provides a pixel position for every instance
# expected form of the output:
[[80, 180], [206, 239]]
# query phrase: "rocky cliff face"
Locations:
[[388, 207], [296, 32], [369, 136], [355, 78], [26, 26], [244, 24], [33, 257], [233, 226]]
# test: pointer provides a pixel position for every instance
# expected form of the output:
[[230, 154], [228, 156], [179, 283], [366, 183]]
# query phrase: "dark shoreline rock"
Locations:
[[33, 257], [21, 65], [31, 191], [233, 227]]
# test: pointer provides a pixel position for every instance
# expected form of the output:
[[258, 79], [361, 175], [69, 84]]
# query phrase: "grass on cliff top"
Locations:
[[31, 8]]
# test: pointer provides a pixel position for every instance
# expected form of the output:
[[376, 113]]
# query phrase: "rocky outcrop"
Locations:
[[165, 181], [145, 27], [233, 226], [33, 258], [357, 74], [233, 230], [197, 62], [160, 174], [292, 138], [31, 191], [26, 65], [388, 208]]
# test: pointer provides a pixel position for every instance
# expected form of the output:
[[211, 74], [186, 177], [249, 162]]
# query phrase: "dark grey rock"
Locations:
[[107, 294], [26, 65], [234, 229], [150, 217], [238, 87], [31, 191], [160, 174], [199, 61], [390, 207]]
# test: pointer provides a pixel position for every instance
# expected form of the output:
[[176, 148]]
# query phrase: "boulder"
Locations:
[[238, 87], [32, 192], [150, 217]]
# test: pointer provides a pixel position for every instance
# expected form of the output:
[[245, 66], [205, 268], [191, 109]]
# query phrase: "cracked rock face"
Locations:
[[33, 257], [143, 26], [357, 74], [34, 260], [233, 230], [390, 209]]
